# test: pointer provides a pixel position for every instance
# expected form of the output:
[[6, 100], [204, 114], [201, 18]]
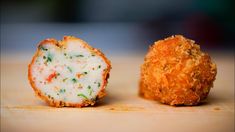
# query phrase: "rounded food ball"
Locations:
[[177, 72]]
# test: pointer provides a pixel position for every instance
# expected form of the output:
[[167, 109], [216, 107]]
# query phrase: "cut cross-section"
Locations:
[[68, 72]]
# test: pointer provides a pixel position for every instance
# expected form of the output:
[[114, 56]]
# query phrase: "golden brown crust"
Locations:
[[55, 103], [176, 72]]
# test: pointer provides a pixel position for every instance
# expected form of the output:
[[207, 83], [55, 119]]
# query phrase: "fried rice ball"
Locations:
[[176, 72], [69, 72]]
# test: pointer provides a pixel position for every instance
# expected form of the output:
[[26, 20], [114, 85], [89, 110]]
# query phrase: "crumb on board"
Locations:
[[217, 108]]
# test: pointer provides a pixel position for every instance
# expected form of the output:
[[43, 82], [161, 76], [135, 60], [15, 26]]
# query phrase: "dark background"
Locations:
[[117, 25]]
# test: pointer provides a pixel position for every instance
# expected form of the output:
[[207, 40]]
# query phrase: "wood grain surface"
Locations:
[[121, 110]]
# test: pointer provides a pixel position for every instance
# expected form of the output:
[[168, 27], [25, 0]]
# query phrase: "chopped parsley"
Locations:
[[85, 72], [99, 66], [65, 79], [62, 90], [98, 84], [79, 55], [90, 90], [74, 80], [49, 58], [58, 74], [70, 69], [82, 95], [42, 48]]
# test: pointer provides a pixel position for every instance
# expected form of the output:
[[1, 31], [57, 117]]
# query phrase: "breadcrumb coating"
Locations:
[[176, 72]]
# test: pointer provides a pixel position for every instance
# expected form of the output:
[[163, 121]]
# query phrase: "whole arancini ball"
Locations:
[[176, 72]]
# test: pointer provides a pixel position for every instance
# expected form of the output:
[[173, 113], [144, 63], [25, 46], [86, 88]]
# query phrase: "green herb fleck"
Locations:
[[89, 87], [85, 72], [79, 55], [65, 79], [62, 90], [90, 90], [82, 95], [70, 69], [99, 66], [98, 84], [65, 54], [44, 57], [92, 55], [70, 57], [57, 74], [42, 48], [49, 58], [74, 80]]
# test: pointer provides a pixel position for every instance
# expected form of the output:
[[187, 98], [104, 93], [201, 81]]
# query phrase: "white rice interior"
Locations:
[[70, 74]]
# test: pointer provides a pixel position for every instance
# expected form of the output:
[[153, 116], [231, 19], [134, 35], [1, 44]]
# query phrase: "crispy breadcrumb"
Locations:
[[176, 72]]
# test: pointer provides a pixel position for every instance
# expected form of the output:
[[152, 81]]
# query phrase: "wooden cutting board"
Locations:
[[121, 110]]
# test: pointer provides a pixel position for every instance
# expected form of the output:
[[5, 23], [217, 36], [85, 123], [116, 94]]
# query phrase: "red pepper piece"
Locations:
[[51, 76]]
